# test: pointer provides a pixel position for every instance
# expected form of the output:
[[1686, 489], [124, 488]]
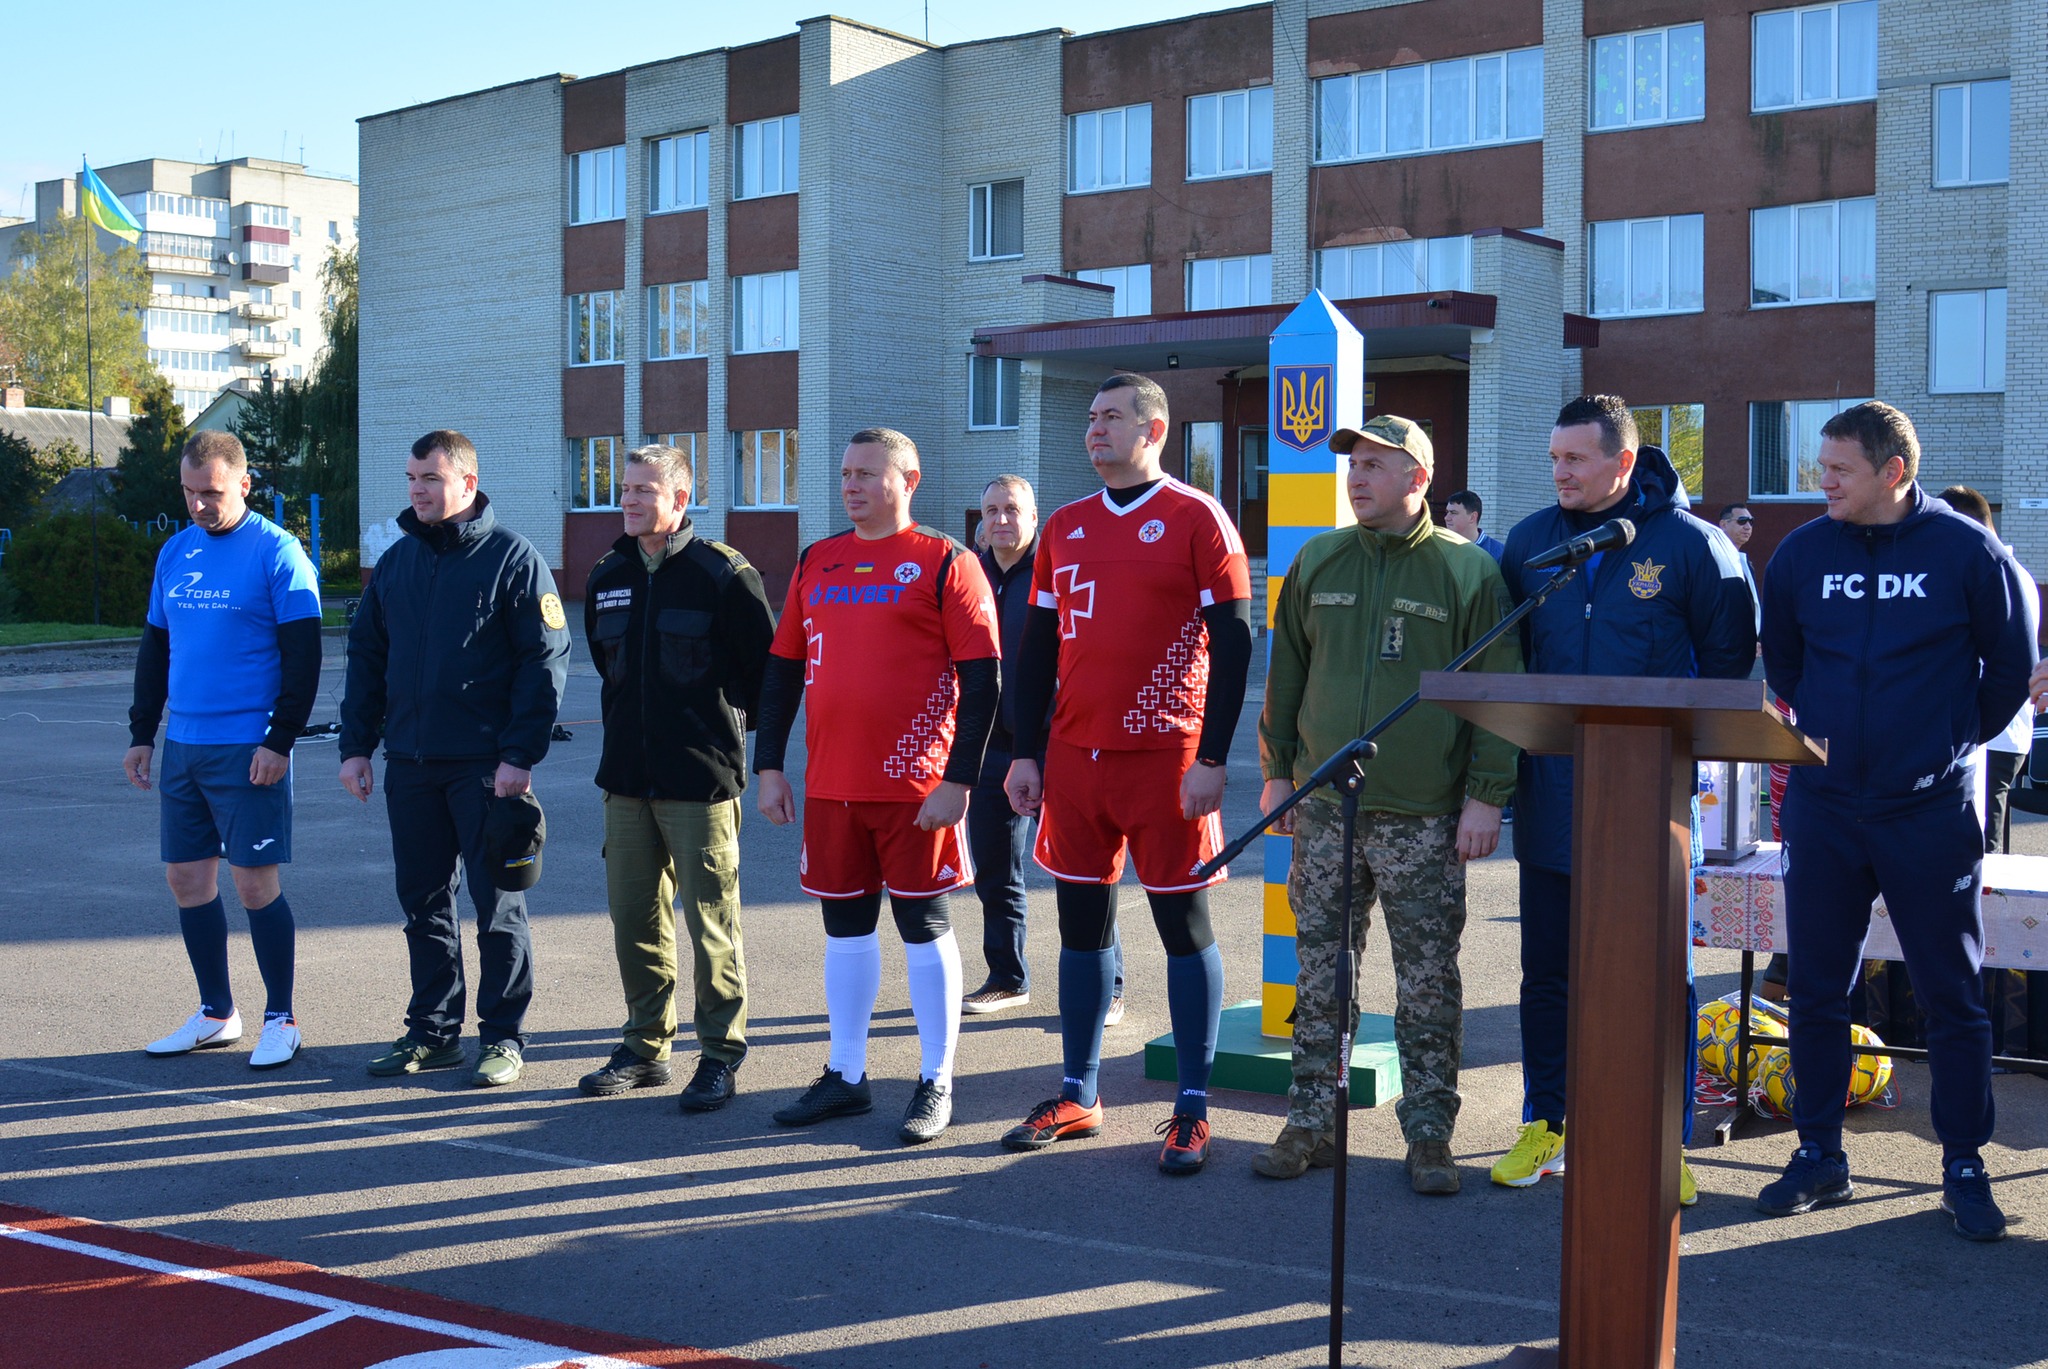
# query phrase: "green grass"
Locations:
[[31, 634], [333, 615]]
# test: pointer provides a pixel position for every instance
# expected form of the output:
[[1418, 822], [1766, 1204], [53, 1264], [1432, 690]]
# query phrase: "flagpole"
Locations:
[[91, 429]]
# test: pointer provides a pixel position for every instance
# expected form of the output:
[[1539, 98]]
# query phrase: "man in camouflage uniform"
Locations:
[[1363, 612]]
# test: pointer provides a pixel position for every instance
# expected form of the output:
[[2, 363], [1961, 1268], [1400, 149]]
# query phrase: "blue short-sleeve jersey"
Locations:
[[221, 598]]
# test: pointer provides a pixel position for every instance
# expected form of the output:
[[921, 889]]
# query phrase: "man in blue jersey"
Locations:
[[1900, 632], [233, 645]]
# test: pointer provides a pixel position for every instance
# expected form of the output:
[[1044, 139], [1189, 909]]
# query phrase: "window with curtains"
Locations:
[[995, 221], [597, 185], [1430, 107], [1109, 149], [1657, 76], [678, 319], [992, 391], [1813, 55], [764, 312], [764, 469], [679, 172], [1230, 282], [1784, 445], [1231, 133], [764, 157], [1646, 266], [1813, 253], [1133, 286], [1395, 268]]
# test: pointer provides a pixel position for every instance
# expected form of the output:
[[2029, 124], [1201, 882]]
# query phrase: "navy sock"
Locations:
[[1194, 1004], [271, 931], [206, 946], [1085, 981]]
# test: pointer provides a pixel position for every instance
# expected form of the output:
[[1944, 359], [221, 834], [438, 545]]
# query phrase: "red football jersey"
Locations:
[[1130, 584], [879, 625]]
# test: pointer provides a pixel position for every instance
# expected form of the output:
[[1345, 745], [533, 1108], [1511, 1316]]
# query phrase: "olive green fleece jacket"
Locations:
[[1360, 616]]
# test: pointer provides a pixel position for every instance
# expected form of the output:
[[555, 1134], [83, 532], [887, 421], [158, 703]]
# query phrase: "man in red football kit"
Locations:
[[892, 629], [1142, 616]]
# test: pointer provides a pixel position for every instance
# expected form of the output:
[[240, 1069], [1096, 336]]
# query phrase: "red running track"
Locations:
[[79, 1295]]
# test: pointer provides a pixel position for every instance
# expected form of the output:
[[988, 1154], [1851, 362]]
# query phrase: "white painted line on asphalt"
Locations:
[[1748, 1335], [374, 1128], [282, 1336], [283, 1293]]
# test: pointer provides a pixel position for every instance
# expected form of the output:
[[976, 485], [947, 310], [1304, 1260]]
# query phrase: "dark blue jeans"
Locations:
[[437, 821], [998, 840], [1546, 989], [1929, 867]]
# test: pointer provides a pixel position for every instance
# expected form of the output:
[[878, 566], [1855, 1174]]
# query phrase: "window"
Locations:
[[992, 392], [295, 337], [764, 469], [1784, 444], [1972, 133], [1677, 429], [1230, 134], [764, 313], [679, 173], [295, 298], [295, 225], [1658, 76], [594, 328], [1395, 268], [1435, 107], [268, 215], [597, 185], [995, 221], [267, 254], [1813, 253], [187, 361], [1816, 55], [1230, 282], [1109, 149], [184, 321], [334, 230], [1646, 266], [697, 447], [764, 158], [678, 320], [1203, 457], [1133, 286], [598, 463], [1966, 341]]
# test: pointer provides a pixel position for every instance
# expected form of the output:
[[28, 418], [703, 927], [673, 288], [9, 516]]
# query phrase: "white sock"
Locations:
[[934, 968], [853, 976]]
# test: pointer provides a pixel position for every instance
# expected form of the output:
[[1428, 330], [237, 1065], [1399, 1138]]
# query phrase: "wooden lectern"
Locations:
[[1634, 742]]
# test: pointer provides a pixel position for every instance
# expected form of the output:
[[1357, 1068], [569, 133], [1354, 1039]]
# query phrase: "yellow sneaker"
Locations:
[[1688, 1188], [1538, 1151]]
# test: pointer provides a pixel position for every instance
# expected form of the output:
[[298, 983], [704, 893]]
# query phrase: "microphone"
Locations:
[[1609, 536]]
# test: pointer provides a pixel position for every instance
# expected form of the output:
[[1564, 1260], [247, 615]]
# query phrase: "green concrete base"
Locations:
[[1254, 1063]]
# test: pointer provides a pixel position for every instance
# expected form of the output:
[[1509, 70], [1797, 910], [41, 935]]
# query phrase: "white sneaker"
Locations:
[[278, 1044], [200, 1032]]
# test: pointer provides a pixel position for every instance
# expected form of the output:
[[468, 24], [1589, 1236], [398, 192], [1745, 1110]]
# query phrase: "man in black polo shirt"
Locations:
[[679, 628]]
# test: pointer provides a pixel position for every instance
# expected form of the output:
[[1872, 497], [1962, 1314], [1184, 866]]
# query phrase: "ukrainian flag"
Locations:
[[105, 209]]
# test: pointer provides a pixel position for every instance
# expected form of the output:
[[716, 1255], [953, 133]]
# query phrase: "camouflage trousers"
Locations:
[[1410, 866]]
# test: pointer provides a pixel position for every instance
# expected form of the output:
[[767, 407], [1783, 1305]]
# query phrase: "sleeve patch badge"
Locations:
[[551, 612]]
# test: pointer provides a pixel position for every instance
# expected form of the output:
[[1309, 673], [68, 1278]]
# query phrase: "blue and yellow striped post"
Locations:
[[1316, 385]]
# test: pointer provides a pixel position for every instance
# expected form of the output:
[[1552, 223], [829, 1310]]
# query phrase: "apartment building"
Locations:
[[1744, 217], [233, 250]]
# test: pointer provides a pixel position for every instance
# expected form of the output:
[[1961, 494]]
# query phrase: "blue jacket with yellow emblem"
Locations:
[[1673, 604]]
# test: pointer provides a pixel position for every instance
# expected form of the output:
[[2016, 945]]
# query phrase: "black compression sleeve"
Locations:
[[152, 686], [1038, 672], [782, 689], [298, 650], [981, 690], [1230, 664]]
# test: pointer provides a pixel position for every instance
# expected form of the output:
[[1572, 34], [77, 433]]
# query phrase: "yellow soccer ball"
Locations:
[[1869, 1075], [1771, 1087], [1714, 1033]]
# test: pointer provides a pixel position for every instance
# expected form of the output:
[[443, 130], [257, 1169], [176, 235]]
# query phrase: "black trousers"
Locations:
[[437, 826]]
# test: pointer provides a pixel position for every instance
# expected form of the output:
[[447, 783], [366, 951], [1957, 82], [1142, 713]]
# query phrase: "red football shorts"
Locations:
[[852, 849], [1099, 802]]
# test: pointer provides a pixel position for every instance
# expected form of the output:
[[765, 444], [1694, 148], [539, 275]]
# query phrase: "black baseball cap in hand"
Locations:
[[515, 829]]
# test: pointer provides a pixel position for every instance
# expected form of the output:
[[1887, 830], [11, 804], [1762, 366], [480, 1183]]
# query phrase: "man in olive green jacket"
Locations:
[[1363, 612]]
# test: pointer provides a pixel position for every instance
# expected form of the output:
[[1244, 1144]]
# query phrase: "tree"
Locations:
[[42, 315], [327, 466], [148, 466], [273, 435], [26, 475]]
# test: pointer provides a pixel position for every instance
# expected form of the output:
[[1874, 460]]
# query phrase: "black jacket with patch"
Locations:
[[459, 649], [681, 652]]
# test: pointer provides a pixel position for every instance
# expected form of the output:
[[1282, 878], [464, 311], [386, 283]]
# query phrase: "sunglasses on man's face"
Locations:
[[1745, 520]]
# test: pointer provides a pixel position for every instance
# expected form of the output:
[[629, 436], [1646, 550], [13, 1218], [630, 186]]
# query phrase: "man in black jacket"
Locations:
[[456, 661], [678, 627], [998, 835]]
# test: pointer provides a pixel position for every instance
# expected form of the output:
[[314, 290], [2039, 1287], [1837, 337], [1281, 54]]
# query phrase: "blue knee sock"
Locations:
[[1194, 1004], [271, 930], [206, 946], [1085, 983]]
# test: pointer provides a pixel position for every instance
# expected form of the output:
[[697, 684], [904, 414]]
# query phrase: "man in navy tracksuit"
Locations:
[[1897, 629], [1672, 604]]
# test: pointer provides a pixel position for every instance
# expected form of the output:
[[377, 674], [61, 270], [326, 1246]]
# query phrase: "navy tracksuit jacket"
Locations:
[[1906, 645]]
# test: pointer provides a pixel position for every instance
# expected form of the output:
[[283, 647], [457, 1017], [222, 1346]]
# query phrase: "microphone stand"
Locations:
[[1344, 772]]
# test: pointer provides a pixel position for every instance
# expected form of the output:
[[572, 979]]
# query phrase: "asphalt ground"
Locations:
[[836, 1245]]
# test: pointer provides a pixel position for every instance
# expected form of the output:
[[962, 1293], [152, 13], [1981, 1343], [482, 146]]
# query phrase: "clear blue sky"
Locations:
[[267, 80]]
